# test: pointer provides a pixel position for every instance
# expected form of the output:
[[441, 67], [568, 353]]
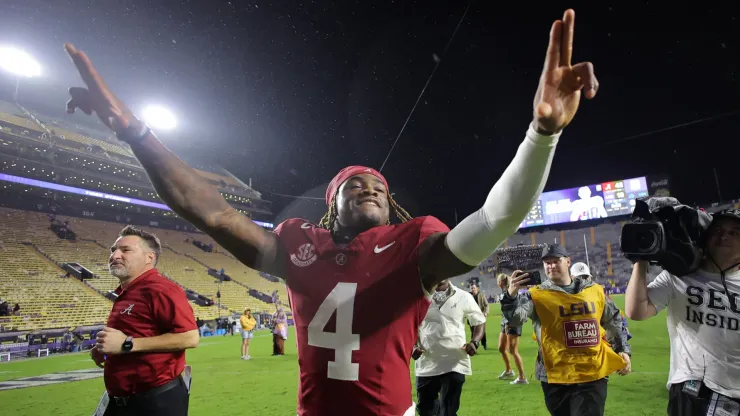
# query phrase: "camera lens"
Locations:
[[646, 240], [642, 239]]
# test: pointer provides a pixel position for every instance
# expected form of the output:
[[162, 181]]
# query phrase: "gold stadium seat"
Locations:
[[47, 299], [20, 122], [89, 141], [31, 256]]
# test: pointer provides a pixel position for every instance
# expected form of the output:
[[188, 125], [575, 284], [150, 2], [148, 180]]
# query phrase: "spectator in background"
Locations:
[[581, 270], [199, 323], [229, 325], [441, 352], [17, 309], [68, 341], [248, 323], [570, 340], [279, 331], [482, 302], [508, 341]]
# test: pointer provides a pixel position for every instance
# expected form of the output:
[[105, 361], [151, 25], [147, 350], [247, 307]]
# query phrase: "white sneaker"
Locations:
[[245, 357], [520, 380], [506, 375]]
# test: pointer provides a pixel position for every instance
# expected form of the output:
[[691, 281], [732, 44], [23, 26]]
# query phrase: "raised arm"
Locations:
[[517, 307], [511, 198], [201, 204], [179, 186], [637, 304]]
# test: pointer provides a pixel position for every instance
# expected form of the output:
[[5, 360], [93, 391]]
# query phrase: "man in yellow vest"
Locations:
[[570, 317]]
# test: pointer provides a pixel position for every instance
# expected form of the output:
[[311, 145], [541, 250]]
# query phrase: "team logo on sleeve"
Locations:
[[304, 256]]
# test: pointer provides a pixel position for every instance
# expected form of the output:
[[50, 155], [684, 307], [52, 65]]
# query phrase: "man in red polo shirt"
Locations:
[[142, 348]]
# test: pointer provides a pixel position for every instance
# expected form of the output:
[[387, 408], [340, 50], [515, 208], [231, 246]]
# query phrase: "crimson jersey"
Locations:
[[357, 309]]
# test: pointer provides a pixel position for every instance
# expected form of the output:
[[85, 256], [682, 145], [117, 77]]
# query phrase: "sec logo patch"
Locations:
[[304, 256]]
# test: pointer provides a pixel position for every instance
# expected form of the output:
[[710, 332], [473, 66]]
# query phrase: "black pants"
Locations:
[[439, 395], [483, 341], [684, 404], [173, 402], [583, 399]]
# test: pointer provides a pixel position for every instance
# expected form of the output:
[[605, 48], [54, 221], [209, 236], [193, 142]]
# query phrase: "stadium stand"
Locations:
[[33, 256], [39, 147], [90, 250], [46, 298]]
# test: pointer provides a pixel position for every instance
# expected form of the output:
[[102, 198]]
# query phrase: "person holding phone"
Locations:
[[508, 341], [570, 317]]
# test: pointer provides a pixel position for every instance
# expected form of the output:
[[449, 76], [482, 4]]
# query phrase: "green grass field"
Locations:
[[223, 384]]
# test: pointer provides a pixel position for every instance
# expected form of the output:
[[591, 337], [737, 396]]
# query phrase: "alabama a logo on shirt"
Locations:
[[304, 256], [128, 310]]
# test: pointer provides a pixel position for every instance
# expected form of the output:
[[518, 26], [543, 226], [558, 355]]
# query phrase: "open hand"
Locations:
[[559, 92], [627, 368], [96, 97], [110, 341]]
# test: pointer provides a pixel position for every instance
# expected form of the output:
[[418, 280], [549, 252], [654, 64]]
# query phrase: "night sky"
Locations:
[[289, 92]]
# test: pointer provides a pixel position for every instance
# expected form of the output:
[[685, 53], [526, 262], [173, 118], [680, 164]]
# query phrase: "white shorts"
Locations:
[[247, 334]]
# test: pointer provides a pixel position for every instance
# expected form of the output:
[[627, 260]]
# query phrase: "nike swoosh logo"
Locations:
[[306, 225], [382, 249]]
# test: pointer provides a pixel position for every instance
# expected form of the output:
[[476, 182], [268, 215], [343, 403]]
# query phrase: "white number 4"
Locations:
[[342, 300]]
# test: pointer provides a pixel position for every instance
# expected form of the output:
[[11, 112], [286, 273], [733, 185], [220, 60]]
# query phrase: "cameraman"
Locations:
[[568, 314], [702, 322]]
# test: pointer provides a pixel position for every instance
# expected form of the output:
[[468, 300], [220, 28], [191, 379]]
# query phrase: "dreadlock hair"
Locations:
[[327, 221]]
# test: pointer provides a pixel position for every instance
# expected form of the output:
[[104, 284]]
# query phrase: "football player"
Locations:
[[359, 285]]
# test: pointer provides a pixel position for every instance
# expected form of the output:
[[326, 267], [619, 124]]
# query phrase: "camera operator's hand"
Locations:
[[517, 281], [627, 368], [416, 354]]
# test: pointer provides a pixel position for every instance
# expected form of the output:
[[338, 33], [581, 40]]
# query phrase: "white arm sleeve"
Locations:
[[508, 203]]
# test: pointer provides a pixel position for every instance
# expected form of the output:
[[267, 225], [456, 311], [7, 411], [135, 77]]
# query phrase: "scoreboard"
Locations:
[[601, 200]]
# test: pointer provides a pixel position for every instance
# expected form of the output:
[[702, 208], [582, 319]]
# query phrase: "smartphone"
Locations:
[[534, 278]]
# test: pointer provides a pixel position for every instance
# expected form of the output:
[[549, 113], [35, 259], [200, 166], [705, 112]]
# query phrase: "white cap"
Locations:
[[580, 269]]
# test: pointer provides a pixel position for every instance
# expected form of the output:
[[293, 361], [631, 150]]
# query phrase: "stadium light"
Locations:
[[20, 64], [159, 118]]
